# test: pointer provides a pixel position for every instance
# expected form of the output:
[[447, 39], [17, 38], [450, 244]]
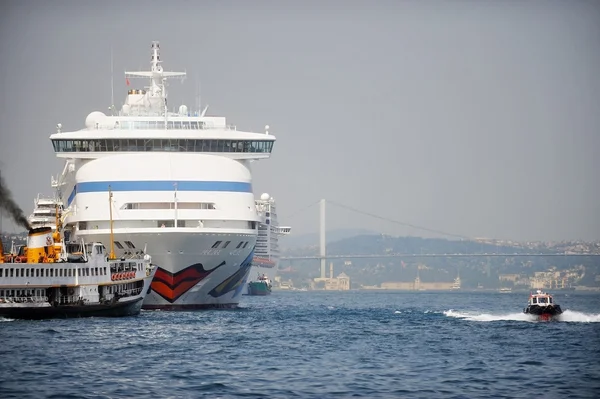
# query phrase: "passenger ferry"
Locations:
[[182, 186], [267, 253], [77, 279]]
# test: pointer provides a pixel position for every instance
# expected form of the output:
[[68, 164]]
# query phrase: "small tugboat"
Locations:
[[542, 305], [262, 286], [71, 279]]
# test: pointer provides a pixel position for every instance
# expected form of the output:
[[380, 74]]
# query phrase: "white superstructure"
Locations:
[[45, 211], [267, 253], [181, 184]]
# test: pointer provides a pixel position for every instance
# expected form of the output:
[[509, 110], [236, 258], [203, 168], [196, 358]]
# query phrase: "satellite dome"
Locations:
[[126, 109], [183, 110], [265, 197], [95, 118]]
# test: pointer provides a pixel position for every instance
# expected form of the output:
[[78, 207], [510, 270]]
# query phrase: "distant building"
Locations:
[[339, 283], [509, 277]]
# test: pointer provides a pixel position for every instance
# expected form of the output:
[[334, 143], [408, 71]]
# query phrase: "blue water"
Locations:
[[314, 345]]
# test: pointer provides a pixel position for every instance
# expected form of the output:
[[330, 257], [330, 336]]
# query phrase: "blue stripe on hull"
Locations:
[[159, 185]]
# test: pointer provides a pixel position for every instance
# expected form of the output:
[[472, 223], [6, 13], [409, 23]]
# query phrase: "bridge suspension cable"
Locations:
[[303, 209], [398, 222]]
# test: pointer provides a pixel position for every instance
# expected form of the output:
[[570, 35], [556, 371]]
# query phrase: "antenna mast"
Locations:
[[112, 241], [112, 83], [198, 98]]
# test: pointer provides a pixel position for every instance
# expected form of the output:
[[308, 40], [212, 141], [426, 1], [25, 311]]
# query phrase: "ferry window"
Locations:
[[216, 244], [245, 244], [1, 270], [170, 125], [226, 244], [118, 245], [130, 244], [239, 245]]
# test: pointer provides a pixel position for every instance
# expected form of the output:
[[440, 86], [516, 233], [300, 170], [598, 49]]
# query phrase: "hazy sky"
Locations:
[[476, 118]]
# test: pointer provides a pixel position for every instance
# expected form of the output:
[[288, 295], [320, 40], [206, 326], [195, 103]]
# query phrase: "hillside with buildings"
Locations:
[[486, 271]]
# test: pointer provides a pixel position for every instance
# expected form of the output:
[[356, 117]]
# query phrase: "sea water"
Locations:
[[377, 344]]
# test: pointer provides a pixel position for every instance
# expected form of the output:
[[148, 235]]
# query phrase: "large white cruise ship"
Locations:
[[176, 182], [267, 254]]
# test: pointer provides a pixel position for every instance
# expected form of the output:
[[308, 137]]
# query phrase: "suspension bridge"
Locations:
[[323, 256]]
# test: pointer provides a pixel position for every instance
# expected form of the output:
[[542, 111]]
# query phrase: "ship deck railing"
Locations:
[[131, 292], [20, 299]]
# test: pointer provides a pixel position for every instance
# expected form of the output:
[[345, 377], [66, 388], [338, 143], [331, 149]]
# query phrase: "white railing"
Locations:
[[20, 299], [131, 292]]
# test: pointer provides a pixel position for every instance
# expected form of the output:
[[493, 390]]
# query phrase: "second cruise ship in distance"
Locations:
[[181, 184], [267, 253]]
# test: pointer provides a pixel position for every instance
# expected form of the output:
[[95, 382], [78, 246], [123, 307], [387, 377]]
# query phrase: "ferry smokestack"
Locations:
[[39, 245], [8, 204]]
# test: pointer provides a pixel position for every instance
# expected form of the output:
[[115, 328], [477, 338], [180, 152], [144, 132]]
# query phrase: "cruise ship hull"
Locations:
[[191, 274]]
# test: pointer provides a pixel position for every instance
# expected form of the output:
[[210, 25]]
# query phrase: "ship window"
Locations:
[[1, 270], [181, 145], [226, 244], [130, 244], [239, 245], [216, 244], [245, 244], [118, 244]]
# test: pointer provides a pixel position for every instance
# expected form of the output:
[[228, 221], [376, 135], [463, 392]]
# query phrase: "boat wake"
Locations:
[[566, 316], [579, 317]]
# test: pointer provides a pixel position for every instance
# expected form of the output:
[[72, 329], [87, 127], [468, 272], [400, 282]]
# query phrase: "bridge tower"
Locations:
[[323, 249]]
